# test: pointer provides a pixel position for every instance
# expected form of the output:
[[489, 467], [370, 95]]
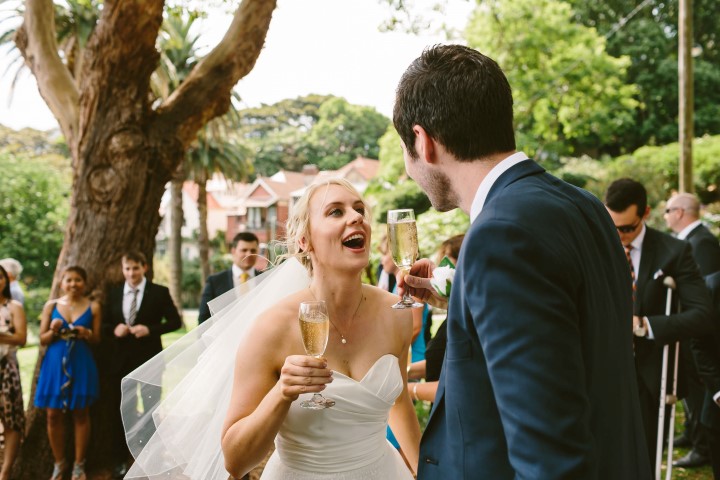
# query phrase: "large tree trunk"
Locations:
[[123, 150], [203, 237], [175, 240]]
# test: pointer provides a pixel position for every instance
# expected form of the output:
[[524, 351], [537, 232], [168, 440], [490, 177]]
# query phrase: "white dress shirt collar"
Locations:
[[682, 235], [237, 271], [489, 181], [140, 287]]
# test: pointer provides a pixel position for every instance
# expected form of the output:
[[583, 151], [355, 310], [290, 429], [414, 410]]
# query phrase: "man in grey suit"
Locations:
[[682, 215], [538, 376], [244, 249]]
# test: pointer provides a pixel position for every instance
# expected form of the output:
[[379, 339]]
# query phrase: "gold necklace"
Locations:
[[342, 337]]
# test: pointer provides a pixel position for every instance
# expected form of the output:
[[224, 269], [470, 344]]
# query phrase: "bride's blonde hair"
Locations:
[[298, 223]]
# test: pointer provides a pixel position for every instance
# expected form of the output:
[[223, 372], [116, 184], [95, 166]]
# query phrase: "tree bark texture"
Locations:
[[175, 240], [203, 237], [124, 150]]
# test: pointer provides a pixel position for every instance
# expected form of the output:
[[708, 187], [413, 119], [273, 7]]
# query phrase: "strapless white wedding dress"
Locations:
[[346, 441]]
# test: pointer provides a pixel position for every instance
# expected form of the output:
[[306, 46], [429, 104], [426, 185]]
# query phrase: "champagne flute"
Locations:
[[315, 331], [403, 241]]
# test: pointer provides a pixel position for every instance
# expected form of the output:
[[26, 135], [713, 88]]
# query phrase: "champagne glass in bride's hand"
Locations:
[[403, 241], [315, 330]]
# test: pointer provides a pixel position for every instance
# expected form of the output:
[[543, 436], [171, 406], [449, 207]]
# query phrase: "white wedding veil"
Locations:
[[180, 437]]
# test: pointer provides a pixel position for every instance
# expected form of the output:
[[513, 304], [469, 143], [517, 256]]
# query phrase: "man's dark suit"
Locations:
[[706, 351], [661, 256], [705, 250], [538, 380], [215, 286], [123, 355]]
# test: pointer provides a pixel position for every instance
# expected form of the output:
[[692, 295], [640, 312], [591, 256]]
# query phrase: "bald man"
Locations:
[[682, 215]]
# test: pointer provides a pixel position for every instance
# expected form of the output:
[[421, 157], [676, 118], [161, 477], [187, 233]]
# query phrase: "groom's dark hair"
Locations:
[[461, 98]]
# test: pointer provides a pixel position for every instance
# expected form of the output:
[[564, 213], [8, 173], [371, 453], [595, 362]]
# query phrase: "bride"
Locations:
[[363, 369]]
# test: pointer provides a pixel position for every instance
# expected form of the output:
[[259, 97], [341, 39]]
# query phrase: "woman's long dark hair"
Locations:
[[6, 290]]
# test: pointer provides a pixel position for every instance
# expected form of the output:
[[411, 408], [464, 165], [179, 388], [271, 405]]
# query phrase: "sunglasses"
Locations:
[[628, 228]]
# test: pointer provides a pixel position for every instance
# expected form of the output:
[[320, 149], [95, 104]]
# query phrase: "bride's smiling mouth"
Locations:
[[356, 241]]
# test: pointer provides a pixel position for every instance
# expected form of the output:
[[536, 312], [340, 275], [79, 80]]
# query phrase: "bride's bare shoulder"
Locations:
[[284, 310]]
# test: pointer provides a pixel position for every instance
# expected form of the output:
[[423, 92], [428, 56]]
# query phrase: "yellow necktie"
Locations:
[[244, 277]]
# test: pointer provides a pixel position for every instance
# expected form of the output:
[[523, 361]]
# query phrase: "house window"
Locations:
[[255, 217]]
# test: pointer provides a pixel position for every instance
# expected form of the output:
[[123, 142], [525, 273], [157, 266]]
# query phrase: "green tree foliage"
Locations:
[[650, 38], [655, 166], [435, 227], [570, 95], [345, 132], [34, 208], [314, 129]]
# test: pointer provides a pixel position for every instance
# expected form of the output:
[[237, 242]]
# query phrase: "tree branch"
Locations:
[[205, 93], [36, 41]]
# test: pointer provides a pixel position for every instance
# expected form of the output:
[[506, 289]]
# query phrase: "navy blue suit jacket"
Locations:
[[705, 250], [538, 380], [215, 285]]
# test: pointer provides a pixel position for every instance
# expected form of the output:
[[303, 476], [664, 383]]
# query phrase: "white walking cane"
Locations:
[[665, 399]]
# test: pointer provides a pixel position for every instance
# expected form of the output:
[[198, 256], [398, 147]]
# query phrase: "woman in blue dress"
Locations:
[[68, 376]]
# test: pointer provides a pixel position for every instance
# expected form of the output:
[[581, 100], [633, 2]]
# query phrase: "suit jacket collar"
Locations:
[[490, 179], [513, 174], [696, 228]]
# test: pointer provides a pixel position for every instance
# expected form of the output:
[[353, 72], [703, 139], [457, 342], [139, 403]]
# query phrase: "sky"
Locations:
[[312, 46]]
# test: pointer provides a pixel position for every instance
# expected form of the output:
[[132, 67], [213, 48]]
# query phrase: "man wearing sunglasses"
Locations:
[[652, 256], [682, 215]]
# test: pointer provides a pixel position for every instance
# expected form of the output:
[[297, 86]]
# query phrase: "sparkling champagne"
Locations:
[[403, 241], [314, 329]]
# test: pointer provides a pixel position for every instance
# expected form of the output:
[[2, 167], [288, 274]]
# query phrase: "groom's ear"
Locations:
[[424, 145]]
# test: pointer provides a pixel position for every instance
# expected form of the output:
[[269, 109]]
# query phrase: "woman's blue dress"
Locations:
[[68, 375]]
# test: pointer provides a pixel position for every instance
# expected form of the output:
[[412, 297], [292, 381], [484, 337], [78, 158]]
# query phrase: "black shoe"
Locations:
[[692, 460], [120, 470], [683, 441]]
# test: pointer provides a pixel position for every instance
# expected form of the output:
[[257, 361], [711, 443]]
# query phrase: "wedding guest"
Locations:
[[538, 380], [137, 314], [68, 380], [13, 334], [244, 249], [652, 256], [682, 216], [14, 269]]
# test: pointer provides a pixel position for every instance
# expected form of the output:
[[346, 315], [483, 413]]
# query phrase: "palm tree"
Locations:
[[177, 59], [74, 22], [215, 151]]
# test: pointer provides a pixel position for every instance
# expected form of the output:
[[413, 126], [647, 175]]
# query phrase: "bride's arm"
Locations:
[[260, 400], [403, 419]]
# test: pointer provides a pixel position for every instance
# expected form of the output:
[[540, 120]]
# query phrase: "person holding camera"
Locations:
[[68, 380]]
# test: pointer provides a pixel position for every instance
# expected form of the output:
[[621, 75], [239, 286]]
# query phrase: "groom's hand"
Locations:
[[417, 284]]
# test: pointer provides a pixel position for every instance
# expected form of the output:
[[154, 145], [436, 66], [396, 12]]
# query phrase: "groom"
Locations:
[[538, 380]]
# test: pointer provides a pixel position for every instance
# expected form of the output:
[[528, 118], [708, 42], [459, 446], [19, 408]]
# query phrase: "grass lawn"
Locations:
[[27, 357]]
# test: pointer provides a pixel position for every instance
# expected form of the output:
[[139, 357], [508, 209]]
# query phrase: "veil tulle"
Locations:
[[180, 438]]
